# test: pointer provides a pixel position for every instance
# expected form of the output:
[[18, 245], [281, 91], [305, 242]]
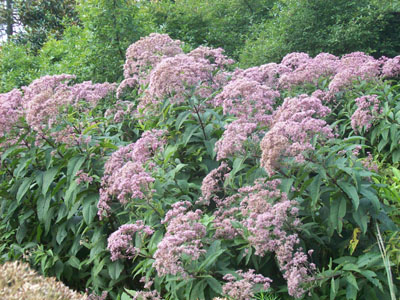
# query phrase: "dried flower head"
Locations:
[[18, 281]]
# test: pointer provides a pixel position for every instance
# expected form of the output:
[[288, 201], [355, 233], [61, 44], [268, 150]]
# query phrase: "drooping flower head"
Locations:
[[367, 110], [143, 55], [121, 242], [294, 125], [183, 237], [127, 173]]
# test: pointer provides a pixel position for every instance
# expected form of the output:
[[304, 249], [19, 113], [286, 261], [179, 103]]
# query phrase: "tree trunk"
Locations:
[[10, 20]]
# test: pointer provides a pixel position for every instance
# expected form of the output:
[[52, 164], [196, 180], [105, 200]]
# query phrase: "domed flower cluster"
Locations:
[[368, 108], [121, 242], [183, 237], [295, 123], [143, 56], [127, 173]]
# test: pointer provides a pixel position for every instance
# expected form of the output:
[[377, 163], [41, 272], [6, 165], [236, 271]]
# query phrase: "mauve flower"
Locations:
[[126, 175], [242, 289], [121, 242], [391, 67], [143, 55], [294, 125], [183, 236], [10, 110], [367, 110]]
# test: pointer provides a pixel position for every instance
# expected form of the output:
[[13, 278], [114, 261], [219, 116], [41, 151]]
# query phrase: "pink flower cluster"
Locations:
[[268, 74], [143, 55], [251, 101], [391, 67], [45, 98], [10, 110], [247, 99], [354, 66], [270, 221], [150, 295], [306, 69], [294, 125], [183, 237], [270, 216], [83, 177], [243, 289], [176, 76], [367, 110], [233, 138], [211, 183], [215, 57], [126, 174], [121, 242]]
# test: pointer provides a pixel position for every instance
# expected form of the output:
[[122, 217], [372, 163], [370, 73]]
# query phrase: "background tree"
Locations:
[[315, 26]]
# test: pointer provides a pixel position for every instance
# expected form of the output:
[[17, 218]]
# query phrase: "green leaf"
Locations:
[[333, 289], [23, 188], [74, 209], [89, 211], [352, 280], [212, 255], [382, 145], [114, 269], [74, 166], [189, 133], [396, 156], [43, 204], [198, 291], [181, 118], [61, 233], [98, 267], [21, 233], [74, 262], [371, 196], [125, 296], [315, 190], [214, 284], [70, 194], [351, 191], [361, 219], [48, 178], [351, 291]]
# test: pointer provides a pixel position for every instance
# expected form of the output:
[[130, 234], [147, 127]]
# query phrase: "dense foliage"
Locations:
[[315, 26], [192, 179], [89, 38]]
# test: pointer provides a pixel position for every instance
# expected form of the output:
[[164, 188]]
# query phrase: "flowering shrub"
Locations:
[[205, 182]]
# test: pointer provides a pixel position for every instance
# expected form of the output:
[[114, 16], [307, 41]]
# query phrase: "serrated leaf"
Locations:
[[189, 133], [396, 156], [42, 205], [352, 280], [371, 196], [61, 233], [74, 262], [198, 291], [351, 191], [48, 178], [351, 291], [181, 118], [74, 166], [315, 190], [114, 269], [89, 212], [23, 188], [70, 194], [214, 284]]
